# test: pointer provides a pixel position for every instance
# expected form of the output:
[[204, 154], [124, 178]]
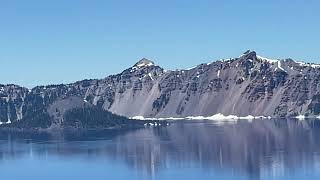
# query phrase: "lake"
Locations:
[[259, 150]]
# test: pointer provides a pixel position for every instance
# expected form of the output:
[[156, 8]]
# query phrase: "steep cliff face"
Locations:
[[247, 85], [12, 103]]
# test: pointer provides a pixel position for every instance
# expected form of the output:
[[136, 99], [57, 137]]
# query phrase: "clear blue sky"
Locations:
[[53, 41]]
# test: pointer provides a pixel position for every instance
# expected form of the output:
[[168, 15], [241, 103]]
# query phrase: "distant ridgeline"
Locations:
[[242, 86]]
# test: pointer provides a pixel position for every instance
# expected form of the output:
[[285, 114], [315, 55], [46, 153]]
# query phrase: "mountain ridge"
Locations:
[[242, 86]]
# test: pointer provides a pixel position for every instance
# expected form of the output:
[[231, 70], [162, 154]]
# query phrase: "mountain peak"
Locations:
[[249, 54], [144, 62]]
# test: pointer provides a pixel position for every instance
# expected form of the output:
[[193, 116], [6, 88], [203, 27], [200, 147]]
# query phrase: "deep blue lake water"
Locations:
[[261, 149]]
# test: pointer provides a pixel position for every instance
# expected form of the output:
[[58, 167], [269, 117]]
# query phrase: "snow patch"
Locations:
[[191, 68], [315, 65], [218, 116], [145, 64], [300, 117], [267, 59], [279, 66], [218, 74], [138, 117], [249, 117], [303, 64], [143, 118], [150, 76]]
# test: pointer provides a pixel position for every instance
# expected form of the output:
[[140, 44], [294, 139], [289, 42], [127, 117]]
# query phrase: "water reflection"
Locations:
[[261, 149]]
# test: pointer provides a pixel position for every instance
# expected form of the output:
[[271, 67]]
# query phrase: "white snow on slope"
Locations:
[[315, 65], [188, 69], [272, 61], [308, 65], [218, 116], [145, 64], [150, 76], [279, 66], [300, 117], [267, 59], [143, 118]]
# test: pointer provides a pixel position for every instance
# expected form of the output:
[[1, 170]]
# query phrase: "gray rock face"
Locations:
[[12, 102], [247, 85]]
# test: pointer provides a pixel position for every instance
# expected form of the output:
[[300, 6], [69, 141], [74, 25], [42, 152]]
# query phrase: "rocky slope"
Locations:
[[246, 85], [53, 108]]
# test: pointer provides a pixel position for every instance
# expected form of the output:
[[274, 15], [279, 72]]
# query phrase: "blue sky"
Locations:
[[60, 41]]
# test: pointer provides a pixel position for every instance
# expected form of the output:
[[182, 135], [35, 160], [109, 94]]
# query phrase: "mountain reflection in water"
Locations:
[[261, 149]]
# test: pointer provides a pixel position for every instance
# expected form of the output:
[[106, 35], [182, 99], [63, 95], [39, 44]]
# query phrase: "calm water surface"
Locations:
[[261, 149]]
